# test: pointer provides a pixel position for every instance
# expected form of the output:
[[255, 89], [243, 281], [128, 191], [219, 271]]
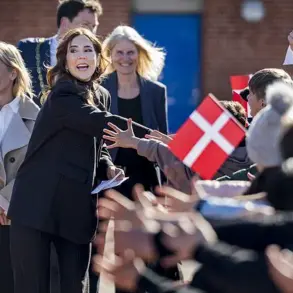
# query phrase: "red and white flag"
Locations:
[[207, 138], [239, 83]]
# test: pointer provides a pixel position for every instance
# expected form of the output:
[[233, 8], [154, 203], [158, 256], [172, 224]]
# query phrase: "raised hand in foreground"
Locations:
[[123, 271], [280, 264]]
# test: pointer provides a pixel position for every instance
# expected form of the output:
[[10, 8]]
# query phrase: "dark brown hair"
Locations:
[[59, 71], [262, 78], [237, 110], [71, 8]]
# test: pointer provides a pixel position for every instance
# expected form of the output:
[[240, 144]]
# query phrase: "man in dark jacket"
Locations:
[[39, 53]]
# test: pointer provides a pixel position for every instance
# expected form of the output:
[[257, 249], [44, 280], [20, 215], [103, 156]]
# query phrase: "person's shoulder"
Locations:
[[154, 84], [157, 89], [28, 108], [109, 79], [64, 88]]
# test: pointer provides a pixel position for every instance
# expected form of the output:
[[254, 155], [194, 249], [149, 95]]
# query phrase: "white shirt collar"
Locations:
[[13, 105]]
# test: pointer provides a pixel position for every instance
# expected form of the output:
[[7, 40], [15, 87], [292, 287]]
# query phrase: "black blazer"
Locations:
[[153, 102], [52, 190]]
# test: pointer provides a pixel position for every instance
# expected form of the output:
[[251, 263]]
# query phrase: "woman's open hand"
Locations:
[[121, 138]]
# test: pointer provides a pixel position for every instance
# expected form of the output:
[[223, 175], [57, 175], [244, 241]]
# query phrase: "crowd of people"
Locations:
[[77, 110]]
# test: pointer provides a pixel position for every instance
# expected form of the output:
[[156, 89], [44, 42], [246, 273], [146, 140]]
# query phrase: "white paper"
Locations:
[[107, 184]]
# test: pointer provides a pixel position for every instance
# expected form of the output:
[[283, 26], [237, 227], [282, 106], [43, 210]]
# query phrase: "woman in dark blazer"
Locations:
[[51, 200], [133, 67]]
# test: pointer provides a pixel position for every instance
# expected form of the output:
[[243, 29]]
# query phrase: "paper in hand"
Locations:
[[107, 184]]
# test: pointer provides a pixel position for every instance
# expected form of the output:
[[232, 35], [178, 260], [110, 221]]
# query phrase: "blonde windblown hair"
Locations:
[[151, 59], [11, 58]]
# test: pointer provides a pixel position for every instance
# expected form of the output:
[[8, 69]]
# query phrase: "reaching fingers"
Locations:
[[187, 225], [129, 123], [148, 136], [273, 256], [147, 199], [114, 127], [103, 264], [173, 193], [137, 190], [170, 261], [287, 256], [144, 198], [98, 264], [110, 138], [112, 146], [120, 199], [106, 208], [107, 131], [157, 133]]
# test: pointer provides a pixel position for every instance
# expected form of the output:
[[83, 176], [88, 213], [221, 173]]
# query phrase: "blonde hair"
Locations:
[[11, 58], [151, 59]]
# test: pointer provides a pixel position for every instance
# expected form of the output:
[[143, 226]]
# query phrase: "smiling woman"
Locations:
[[132, 69], [66, 157], [81, 58]]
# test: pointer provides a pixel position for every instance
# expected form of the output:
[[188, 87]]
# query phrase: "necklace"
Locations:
[[38, 63]]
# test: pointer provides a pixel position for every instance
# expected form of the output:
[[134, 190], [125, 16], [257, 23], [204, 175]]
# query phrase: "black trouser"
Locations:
[[6, 274], [30, 255]]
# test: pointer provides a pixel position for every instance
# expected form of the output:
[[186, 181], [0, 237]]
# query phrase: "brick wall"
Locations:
[[233, 46], [37, 18], [230, 44]]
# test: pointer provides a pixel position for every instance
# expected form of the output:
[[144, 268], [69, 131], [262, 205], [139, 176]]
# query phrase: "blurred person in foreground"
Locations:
[[226, 268], [18, 113], [40, 53], [232, 255]]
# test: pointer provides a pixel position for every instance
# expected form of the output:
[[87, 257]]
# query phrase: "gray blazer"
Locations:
[[14, 146], [153, 102]]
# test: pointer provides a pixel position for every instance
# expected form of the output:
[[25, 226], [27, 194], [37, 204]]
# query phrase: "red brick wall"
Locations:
[[233, 46], [230, 44], [37, 18]]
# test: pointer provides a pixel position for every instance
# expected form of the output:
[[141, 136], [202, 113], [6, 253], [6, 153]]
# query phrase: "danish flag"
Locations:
[[239, 83], [207, 138]]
